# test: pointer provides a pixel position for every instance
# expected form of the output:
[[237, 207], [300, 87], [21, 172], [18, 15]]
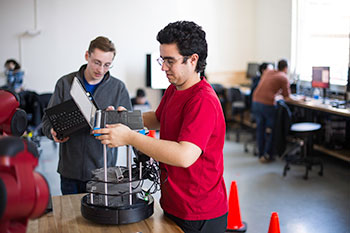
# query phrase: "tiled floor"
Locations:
[[319, 204]]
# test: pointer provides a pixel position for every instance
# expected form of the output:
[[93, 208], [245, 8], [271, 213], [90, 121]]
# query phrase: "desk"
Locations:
[[66, 217], [317, 105]]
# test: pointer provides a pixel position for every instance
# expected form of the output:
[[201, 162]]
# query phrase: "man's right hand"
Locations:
[[54, 134]]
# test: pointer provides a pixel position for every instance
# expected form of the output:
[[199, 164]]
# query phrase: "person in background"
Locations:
[[255, 81], [14, 75], [273, 83], [139, 102], [192, 134], [81, 153], [140, 98]]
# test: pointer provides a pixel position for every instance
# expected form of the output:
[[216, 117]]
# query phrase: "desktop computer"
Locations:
[[320, 79]]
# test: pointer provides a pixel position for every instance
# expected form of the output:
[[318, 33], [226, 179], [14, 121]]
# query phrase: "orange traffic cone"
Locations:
[[274, 224], [234, 222]]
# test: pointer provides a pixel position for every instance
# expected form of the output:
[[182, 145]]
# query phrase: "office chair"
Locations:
[[252, 129], [220, 92], [237, 104], [29, 102], [299, 136], [252, 140], [35, 105]]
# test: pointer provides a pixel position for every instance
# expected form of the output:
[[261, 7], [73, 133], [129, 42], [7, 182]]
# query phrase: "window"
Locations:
[[321, 37]]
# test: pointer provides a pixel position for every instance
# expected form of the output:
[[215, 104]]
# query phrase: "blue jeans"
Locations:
[[71, 186], [265, 118]]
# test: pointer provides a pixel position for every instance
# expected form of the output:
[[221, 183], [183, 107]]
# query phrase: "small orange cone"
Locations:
[[274, 224], [234, 222]]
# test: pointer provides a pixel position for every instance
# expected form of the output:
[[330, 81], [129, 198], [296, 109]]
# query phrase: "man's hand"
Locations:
[[110, 108], [114, 135], [120, 108], [54, 136]]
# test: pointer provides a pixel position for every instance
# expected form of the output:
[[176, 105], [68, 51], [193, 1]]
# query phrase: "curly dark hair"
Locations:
[[189, 38]]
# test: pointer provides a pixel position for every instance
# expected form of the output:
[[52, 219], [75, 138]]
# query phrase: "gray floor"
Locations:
[[319, 204]]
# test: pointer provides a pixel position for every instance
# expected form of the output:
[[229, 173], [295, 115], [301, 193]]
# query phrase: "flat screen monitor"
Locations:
[[252, 70], [320, 77], [155, 77]]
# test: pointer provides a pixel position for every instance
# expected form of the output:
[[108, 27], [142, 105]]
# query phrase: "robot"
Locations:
[[24, 193], [115, 194], [13, 121]]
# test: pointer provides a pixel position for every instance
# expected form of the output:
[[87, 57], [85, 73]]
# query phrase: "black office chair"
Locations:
[[236, 101], [252, 130], [29, 102], [220, 92], [252, 141], [299, 136], [43, 100], [35, 104]]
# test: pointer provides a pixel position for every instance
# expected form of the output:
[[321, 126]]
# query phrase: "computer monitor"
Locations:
[[155, 77], [320, 77], [252, 70]]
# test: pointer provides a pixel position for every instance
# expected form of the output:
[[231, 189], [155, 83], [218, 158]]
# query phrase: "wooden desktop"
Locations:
[[66, 217], [310, 103]]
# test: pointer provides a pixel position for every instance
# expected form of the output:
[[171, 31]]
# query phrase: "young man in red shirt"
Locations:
[[192, 134]]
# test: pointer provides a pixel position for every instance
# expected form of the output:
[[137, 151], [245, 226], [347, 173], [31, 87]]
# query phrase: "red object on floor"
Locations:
[[274, 224], [234, 222]]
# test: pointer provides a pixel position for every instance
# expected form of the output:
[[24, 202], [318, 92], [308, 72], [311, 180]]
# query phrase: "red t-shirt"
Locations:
[[194, 115]]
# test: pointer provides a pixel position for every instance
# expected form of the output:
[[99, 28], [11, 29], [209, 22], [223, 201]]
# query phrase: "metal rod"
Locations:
[[98, 124], [128, 151], [105, 172], [140, 174]]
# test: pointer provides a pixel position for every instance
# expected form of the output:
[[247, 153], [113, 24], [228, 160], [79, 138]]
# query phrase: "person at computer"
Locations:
[[140, 99], [272, 85], [192, 134], [81, 153], [262, 67], [255, 80]]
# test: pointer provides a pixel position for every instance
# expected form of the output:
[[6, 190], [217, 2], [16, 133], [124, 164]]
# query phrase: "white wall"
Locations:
[[234, 32], [273, 30]]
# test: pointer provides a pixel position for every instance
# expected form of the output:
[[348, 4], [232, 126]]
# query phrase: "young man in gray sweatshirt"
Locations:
[[81, 153]]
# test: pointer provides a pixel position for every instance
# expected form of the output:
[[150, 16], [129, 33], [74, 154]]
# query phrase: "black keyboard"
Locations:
[[66, 118]]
